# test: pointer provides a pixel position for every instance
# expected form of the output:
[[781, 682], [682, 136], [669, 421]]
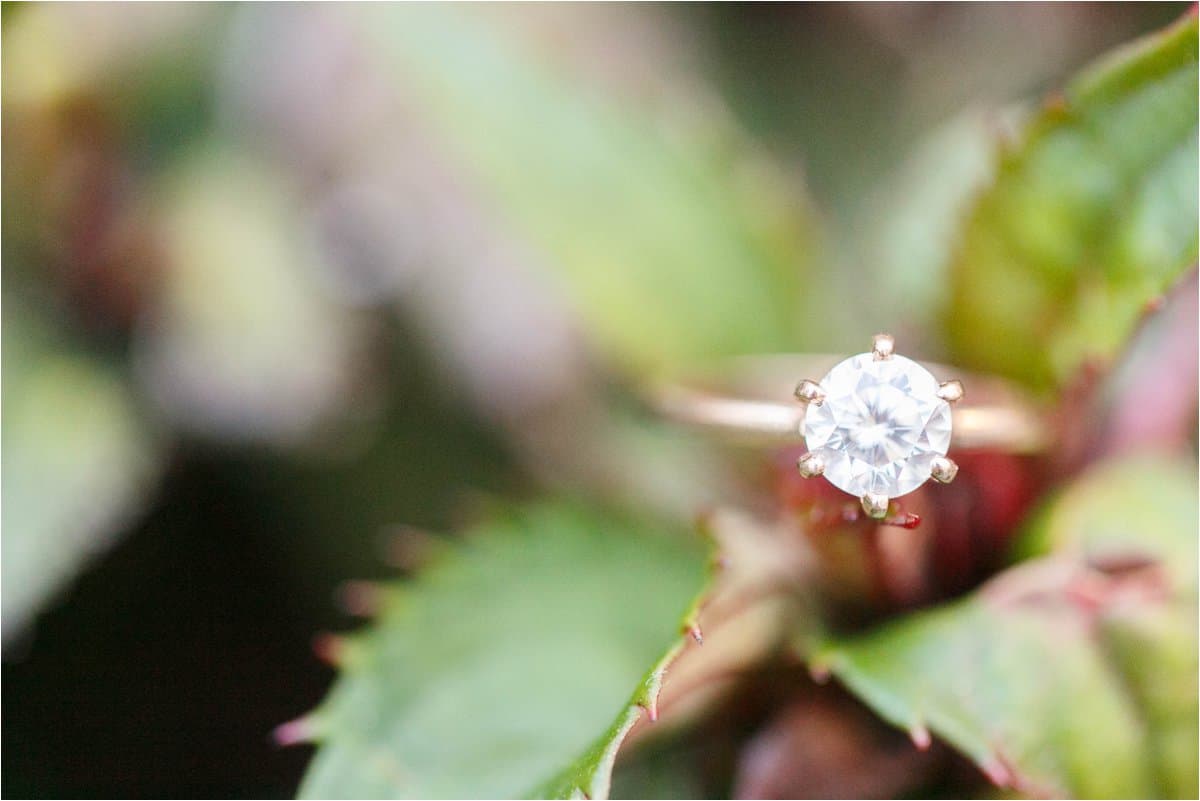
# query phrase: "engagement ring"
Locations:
[[877, 425]]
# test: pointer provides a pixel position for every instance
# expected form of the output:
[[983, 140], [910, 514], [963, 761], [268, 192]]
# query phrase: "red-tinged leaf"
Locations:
[[1074, 673], [1091, 215], [1148, 400]]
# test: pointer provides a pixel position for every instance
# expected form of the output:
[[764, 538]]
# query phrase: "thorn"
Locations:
[[293, 732], [330, 648], [997, 772], [697, 634], [651, 709], [908, 520], [719, 562], [920, 736], [1154, 304], [360, 598], [818, 673]]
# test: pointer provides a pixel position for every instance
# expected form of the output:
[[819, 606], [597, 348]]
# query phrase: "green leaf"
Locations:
[[512, 667], [911, 222], [1070, 674], [1143, 508], [1092, 214], [1136, 506], [78, 462], [672, 237], [1154, 648]]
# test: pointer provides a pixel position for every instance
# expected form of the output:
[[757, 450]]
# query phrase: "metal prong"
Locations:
[[943, 469], [874, 505], [883, 346], [811, 465], [950, 391], [810, 392]]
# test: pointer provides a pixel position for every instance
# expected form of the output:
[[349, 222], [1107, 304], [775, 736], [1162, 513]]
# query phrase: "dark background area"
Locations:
[[172, 661]]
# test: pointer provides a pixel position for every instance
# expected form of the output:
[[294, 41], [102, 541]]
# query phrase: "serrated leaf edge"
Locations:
[[643, 701]]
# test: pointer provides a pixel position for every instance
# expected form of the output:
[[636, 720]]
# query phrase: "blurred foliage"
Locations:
[[673, 238], [79, 457], [1093, 214], [916, 216], [495, 671], [360, 262], [1055, 676], [239, 340], [1138, 516]]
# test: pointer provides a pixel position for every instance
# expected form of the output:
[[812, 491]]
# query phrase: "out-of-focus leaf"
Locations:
[[77, 463], [909, 225], [1154, 648], [1092, 214], [1131, 507], [1022, 691], [1128, 510], [514, 666], [1071, 674], [672, 238], [1111, 414], [240, 341]]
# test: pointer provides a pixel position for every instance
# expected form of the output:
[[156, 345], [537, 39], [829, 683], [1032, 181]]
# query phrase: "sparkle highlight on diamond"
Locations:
[[880, 426]]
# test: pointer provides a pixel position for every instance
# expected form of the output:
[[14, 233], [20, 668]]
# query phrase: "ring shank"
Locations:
[[750, 401]]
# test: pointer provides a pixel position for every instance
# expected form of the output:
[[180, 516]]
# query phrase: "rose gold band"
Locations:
[[750, 401]]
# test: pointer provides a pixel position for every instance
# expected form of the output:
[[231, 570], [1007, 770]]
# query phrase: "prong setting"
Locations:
[[943, 469], [859, 419], [808, 391], [883, 346], [951, 391], [875, 505], [810, 465]]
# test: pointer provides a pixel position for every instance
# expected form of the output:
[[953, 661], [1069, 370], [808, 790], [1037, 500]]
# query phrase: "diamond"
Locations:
[[880, 426]]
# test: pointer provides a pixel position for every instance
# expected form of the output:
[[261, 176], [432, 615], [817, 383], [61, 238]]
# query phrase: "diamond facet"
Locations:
[[880, 426]]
